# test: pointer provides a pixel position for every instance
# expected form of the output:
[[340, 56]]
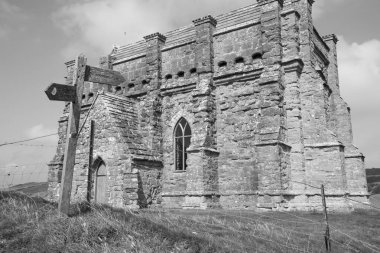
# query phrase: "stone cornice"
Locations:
[[286, 12], [264, 2], [202, 149], [273, 143], [293, 65], [330, 37], [155, 36], [205, 20], [70, 63], [324, 145]]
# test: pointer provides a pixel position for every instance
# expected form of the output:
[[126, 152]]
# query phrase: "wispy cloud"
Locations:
[[320, 6], [9, 12], [6, 8], [3, 31], [97, 25], [41, 130], [359, 70]]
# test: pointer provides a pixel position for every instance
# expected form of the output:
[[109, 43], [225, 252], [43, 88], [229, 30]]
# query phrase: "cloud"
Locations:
[[41, 130], [10, 14], [359, 72], [3, 31], [320, 7], [8, 9], [95, 26]]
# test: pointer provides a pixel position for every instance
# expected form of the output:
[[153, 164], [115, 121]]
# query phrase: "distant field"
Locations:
[[373, 180], [33, 225], [32, 188]]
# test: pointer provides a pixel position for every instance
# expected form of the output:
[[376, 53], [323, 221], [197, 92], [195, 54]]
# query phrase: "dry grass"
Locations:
[[33, 225]]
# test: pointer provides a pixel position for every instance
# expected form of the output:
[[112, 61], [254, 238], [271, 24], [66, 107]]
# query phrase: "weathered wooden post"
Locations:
[[90, 160], [73, 94], [327, 232]]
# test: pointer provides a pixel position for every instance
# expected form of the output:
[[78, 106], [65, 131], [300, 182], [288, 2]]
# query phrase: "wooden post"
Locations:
[[72, 136], [73, 94], [327, 233], [90, 160]]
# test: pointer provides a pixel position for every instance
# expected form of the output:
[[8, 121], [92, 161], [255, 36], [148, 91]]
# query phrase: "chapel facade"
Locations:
[[240, 111]]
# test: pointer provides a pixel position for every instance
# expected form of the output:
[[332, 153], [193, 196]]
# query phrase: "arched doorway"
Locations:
[[101, 184]]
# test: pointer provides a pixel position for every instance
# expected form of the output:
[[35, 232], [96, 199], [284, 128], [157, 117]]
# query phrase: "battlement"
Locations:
[[186, 34]]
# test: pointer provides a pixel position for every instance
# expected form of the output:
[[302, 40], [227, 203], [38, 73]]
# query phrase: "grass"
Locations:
[[31, 224]]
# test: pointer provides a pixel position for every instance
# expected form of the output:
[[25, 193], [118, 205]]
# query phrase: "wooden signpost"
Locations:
[[72, 94]]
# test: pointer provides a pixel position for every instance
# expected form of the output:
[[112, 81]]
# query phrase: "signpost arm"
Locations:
[[72, 136]]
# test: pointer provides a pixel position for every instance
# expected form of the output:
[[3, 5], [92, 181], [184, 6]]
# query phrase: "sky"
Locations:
[[38, 36]]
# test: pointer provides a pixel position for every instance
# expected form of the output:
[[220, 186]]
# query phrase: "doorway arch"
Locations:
[[101, 184]]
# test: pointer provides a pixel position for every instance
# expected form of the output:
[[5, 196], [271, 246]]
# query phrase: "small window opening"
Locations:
[[193, 71], [256, 57], [131, 85], [181, 74], [83, 96], [239, 60], [168, 77], [182, 138], [90, 95], [118, 88], [222, 64], [144, 82]]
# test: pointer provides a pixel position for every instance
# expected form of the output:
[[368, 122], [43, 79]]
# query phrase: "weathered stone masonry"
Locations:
[[259, 88]]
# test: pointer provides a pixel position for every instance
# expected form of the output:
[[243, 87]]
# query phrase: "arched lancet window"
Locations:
[[182, 136]]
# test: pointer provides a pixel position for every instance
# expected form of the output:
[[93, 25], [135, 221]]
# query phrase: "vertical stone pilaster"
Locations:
[[154, 43], [294, 125], [304, 8], [56, 164], [340, 120], [340, 123], [202, 179], [70, 70], [153, 100], [292, 69], [272, 152], [106, 62]]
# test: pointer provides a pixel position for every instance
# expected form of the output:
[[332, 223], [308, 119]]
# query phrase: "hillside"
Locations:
[[33, 225], [32, 188], [373, 180]]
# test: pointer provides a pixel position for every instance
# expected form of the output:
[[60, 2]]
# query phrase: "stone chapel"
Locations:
[[238, 111]]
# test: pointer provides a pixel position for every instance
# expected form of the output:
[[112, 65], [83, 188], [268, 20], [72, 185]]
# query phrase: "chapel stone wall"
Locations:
[[259, 87]]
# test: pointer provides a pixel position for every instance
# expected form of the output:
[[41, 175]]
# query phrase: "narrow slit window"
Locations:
[[222, 64], [182, 138], [181, 74], [239, 60], [168, 77], [256, 57], [193, 71]]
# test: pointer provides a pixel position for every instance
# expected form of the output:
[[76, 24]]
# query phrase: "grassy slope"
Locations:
[[32, 225], [373, 180], [32, 188]]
